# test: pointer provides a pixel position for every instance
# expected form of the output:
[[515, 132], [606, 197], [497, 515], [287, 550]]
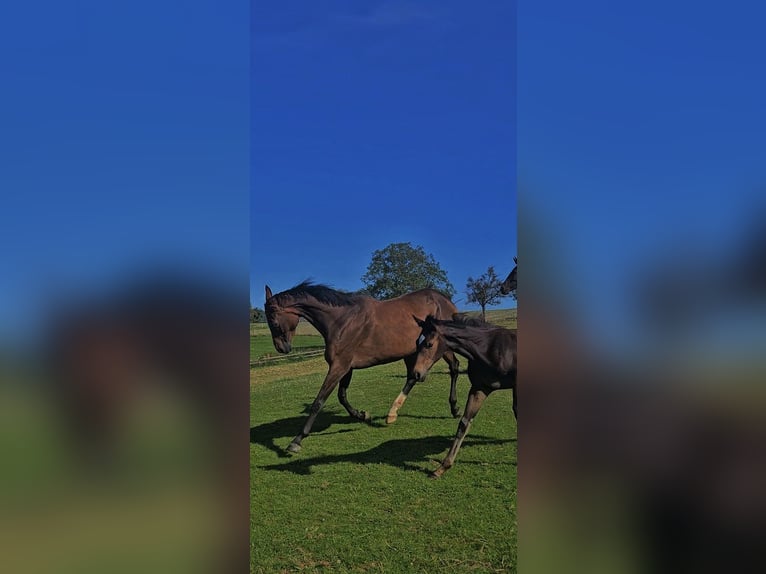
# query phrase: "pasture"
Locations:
[[262, 349], [357, 498]]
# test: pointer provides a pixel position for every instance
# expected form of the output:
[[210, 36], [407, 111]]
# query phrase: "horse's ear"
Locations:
[[420, 323], [268, 293], [515, 260]]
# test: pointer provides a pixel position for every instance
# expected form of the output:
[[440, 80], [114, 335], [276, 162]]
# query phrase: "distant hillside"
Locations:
[[501, 317]]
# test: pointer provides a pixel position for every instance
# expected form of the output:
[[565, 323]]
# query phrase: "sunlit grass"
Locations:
[[358, 497]]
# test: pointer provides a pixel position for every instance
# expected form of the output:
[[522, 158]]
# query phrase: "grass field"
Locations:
[[357, 498], [261, 347]]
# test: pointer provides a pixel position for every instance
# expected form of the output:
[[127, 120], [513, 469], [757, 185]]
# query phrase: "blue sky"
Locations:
[[381, 122], [129, 132], [640, 138], [124, 142]]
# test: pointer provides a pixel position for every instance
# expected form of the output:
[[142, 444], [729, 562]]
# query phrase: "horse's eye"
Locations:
[[428, 345]]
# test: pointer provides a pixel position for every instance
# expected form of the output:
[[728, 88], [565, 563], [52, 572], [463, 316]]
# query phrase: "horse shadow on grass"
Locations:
[[427, 417], [267, 433], [407, 454]]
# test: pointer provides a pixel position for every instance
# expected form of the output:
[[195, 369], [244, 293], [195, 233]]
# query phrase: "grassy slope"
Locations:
[[357, 498], [502, 317]]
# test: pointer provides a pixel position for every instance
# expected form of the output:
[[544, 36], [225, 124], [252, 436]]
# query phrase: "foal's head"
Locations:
[[510, 282], [282, 322], [431, 347]]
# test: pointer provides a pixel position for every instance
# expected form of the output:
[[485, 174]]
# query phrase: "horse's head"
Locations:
[[282, 322], [431, 347], [510, 282]]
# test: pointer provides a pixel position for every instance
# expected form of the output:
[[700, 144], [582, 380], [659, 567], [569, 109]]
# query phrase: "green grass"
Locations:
[[357, 498], [261, 345], [150, 506], [502, 317]]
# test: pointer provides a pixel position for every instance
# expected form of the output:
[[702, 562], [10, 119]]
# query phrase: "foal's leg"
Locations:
[[393, 412], [344, 382], [454, 366], [332, 378], [475, 399], [514, 403]]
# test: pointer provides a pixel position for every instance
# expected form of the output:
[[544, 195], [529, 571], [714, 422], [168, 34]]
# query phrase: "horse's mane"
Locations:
[[321, 293], [462, 320], [465, 320]]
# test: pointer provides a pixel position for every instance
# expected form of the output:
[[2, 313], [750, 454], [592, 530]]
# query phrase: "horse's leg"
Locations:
[[514, 403], [342, 388], [332, 378], [475, 399], [393, 412], [454, 366]]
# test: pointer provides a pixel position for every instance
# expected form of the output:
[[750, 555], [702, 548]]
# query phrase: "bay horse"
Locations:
[[510, 282], [492, 362], [359, 332]]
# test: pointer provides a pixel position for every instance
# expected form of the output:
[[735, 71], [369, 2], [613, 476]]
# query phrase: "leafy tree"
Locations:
[[257, 315], [484, 291], [401, 268]]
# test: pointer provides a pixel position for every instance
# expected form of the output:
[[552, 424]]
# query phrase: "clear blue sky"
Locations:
[[123, 141], [378, 122], [128, 131]]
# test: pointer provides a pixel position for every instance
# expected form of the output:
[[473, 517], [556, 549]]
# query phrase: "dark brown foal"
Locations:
[[491, 354]]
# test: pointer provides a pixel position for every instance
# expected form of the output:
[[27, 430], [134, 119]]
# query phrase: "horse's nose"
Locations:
[[419, 376]]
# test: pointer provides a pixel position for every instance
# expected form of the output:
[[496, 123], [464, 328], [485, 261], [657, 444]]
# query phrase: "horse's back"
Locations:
[[428, 301], [418, 304], [389, 331]]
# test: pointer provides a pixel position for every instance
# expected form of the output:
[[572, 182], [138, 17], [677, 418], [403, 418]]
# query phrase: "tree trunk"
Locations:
[[483, 316]]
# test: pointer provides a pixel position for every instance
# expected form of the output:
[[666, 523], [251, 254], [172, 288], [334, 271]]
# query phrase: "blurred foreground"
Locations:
[[123, 434], [643, 447]]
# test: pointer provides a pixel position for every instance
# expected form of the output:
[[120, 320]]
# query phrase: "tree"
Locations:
[[485, 290], [401, 268], [257, 315]]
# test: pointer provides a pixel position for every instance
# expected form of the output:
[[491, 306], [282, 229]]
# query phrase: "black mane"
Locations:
[[321, 293], [464, 320]]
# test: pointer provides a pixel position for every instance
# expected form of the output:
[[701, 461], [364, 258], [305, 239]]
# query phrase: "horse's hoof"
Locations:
[[366, 417], [391, 419], [437, 473], [456, 414], [292, 447]]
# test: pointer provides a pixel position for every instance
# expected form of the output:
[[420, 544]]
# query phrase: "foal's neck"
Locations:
[[461, 342]]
